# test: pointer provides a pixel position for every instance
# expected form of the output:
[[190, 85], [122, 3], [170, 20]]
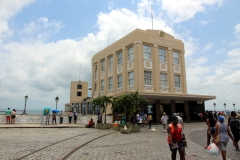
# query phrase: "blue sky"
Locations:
[[42, 44]]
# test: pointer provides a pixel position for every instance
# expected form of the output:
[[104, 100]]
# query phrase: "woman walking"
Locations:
[[75, 117], [211, 122], [224, 132], [175, 135], [234, 123]]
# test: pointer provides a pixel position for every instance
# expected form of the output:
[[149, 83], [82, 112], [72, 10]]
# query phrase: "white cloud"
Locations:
[[205, 22], [111, 5], [234, 78], [182, 10], [144, 7], [237, 30], [208, 47], [7, 10], [41, 29]]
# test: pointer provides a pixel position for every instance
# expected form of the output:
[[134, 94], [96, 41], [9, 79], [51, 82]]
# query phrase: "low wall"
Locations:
[[36, 119]]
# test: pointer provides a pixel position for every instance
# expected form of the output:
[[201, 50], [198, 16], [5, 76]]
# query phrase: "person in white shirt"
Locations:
[[180, 120], [164, 120]]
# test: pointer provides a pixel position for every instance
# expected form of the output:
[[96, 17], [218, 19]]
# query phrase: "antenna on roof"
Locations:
[[79, 73], [152, 16]]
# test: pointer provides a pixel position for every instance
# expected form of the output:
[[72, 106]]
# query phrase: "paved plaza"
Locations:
[[86, 144]]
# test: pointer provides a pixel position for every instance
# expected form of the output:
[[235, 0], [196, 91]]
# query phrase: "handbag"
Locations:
[[216, 139]]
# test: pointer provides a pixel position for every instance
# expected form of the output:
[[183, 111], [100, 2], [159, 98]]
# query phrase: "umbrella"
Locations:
[[46, 110], [55, 111]]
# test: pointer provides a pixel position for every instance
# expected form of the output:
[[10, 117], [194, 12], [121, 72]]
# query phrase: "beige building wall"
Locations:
[[78, 91], [137, 40]]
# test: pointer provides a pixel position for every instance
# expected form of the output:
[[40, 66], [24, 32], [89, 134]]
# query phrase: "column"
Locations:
[[186, 108], [156, 69], [183, 73], [171, 70], [137, 52], [106, 77], [173, 108], [158, 114], [114, 75], [124, 69]]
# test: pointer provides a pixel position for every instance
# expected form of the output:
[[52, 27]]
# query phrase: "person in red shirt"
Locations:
[[175, 135]]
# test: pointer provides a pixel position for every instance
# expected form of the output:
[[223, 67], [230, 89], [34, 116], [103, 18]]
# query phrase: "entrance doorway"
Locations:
[[150, 109]]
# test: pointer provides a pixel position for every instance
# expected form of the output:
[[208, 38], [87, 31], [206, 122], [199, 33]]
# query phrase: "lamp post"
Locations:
[[234, 106], [24, 111], [214, 105], [56, 99], [224, 106]]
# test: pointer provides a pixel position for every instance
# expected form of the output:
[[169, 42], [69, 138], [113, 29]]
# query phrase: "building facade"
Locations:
[[151, 62]]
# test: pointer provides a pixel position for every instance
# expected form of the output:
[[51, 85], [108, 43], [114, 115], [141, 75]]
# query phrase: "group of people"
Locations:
[[217, 126], [10, 116], [54, 117]]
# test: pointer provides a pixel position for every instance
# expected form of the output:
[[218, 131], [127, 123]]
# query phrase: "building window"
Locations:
[[96, 109], [79, 86], [163, 79], [95, 86], [79, 93], [120, 58], [109, 83], [162, 55], [110, 62], [148, 78], [177, 81], [175, 58], [130, 54], [130, 79], [102, 85], [147, 52], [119, 78], [103, 65], [89, 108], [83, 111], [95, 69]]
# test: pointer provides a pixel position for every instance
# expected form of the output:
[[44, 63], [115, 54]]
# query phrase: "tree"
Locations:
[[103, 102], [130, 103]]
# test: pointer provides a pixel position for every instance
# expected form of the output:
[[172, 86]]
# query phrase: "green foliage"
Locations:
[[103, 102]]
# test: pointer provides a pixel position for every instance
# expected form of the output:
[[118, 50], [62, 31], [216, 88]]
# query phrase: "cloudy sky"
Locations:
[[43, 43]]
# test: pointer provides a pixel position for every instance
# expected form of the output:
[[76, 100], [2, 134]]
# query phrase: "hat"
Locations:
[[221, 119], [174, 114]]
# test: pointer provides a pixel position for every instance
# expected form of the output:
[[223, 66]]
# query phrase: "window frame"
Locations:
[[119, 82], [177, 81], [110, 83], [163, 80], [160, 55], [90, 108], [96, 109], [102, 86], [130, 54], [79, 86], [176, 60], [130, 80], [80, 94], [110, 63], [119, 58], [146, 54], [147, 78], [103, 65]]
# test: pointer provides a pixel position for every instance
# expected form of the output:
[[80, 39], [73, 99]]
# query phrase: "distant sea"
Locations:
[[27, 111]]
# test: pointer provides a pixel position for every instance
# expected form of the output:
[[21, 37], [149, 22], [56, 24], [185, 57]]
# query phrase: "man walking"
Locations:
[[8, 115], [164, 120]]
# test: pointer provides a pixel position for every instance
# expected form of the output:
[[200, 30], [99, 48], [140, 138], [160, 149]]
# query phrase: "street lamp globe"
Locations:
[[225, 106], [214, 105], [56, 99], [234, 106]]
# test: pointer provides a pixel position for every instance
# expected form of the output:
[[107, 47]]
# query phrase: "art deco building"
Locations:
[[151, 62]]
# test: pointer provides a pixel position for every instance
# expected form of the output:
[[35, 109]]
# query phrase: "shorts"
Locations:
[[222, 146], [164, 125], [212, 130], [8, 117], [180, 146]]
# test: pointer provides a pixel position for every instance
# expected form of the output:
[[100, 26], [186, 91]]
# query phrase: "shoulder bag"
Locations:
[[216, 139]]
